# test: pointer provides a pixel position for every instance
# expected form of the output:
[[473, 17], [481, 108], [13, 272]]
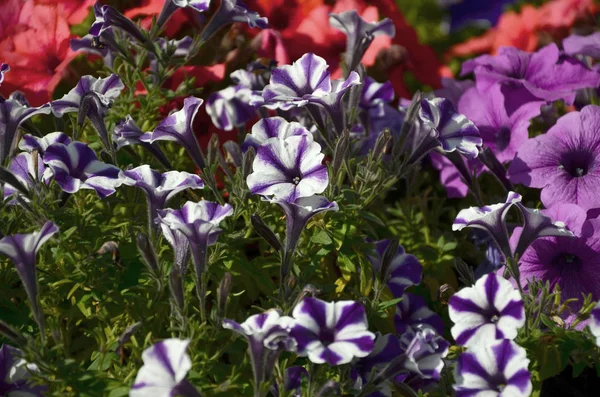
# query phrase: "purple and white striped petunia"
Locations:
[[359, 34], [14, 111], [171, 6], [15, 373], [177, 127], [88, 45], [452, 129], [594, 323], [403, 271], [159, 188], [232, 11], [288, 169], [107, 89], [4, 68], [166, 365], [107, 17], [75, 166], [493, 369], [491, 309], [22, 250], [230, 108], [412, 312], [272, 127], [29, 143], [331, 332], [267, 335], [491, 219], [424, 350], [29, 169]]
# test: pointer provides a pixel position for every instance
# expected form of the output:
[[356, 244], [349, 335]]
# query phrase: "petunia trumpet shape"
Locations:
[[452, 130], [272, 127], [107, 17], [491, 309], [490, 218], [127, 132], [178, 127], [267, 335], [22, 250], [166, 365], [15, 374], [171, 6], [403, 271], [88, 45], [13, 112], [30, 143], [495, 369], [288, 169], [107, 89], [75, 166], [594, 324], [232, 11], [331, 332], [159, 188], [29, 169], [359, 34]]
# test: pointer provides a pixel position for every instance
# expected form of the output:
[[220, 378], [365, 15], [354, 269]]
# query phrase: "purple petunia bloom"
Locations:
[[452, 130], [230, 108], [171, 6], [491, 309], [583, 45], [232, 11], [166, 365], [14, 111], [331, 332], [29, 169], [288, 169], [22, 250], [267, 335], [75, 166], [502, 133], [107, 17], [594, 324], [178, 127], [403, 271], [564, 162], [107, 89], [424, 350], [412, 312], [387, 348], [359, 34], [30, 143], [4, 68], [15, 374], [546, 74], [272, 127], [494, 369]]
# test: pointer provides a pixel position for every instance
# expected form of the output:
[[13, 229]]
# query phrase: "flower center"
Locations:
[[327, 336], [576, 164], [503, 138], [296, 180], [566, 260], [494, 318]]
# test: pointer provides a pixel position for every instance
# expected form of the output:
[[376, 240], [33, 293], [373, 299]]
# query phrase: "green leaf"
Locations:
[[321, 237], [384, 305]]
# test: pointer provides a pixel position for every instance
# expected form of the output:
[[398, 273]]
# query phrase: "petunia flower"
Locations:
[[491, 309], [22, 250], [331, 332], [412, 312], [166, 365], [583, 45], [452, 130], [502, 133], [424, 350], [594, 324], [29, 169], [546, 74], [232, 11], [491, 219], [359, 34], [403, 271], [89, 45], [4, 68], [288, 169], [75, 166], [13, 112], [496, 369], [107, 17], [256, 75], [267, 335], [15, 374], [170, 6], [127, 132], [178, 127], [564, 162], [272, 127], [107, 89], [159, 188], [230, 108], [387, 348], [29, 143]]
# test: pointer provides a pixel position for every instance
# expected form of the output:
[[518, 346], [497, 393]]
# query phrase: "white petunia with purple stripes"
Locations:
[[594, 324]]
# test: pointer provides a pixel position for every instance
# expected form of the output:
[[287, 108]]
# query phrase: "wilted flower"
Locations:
[[22, 250], [232, 11], [360, 34], [331, 332], [496, 369], [163, 374], [272, 127], [402, 271], [14, 111], [29, 169], [75, 166], [412, 312], [594, 324], [424, 350], [564, 162], [15, 374], [452, 130], [288, 169], [491, 309], [30, 143]]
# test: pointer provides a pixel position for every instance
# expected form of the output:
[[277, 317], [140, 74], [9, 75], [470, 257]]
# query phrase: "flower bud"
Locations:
[[265, 232]]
